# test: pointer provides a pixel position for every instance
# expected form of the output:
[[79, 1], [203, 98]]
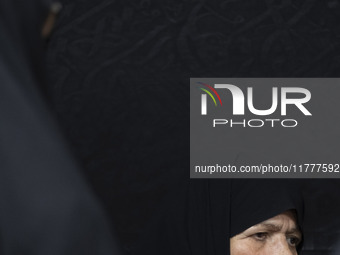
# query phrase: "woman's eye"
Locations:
[[293, 241], [261, 236]]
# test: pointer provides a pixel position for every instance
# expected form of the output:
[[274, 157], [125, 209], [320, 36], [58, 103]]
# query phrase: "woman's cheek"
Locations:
[[246, 247]]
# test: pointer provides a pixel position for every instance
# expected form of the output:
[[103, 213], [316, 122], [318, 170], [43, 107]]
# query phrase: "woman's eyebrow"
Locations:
[[269, 226], [294, 231], [275, 228]]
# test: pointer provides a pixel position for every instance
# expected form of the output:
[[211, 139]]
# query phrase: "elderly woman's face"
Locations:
[[276, 236]]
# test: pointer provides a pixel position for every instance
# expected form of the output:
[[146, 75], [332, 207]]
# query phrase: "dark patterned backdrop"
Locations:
[[119, 82]]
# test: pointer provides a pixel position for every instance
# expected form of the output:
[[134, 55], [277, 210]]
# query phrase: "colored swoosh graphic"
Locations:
[[213, 90], [209, 95]]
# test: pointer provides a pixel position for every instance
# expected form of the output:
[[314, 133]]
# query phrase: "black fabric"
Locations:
[[119, 77], [46, 207], [203, 215], [21, 23]]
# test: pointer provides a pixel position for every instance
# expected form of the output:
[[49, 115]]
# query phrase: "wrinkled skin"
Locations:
[[276, 236]]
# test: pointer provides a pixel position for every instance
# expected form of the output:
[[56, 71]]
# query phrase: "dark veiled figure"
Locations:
[[46, 207], [229, 217]]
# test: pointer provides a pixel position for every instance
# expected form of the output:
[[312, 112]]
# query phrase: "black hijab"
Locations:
[[46, 207], [204, 214]]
